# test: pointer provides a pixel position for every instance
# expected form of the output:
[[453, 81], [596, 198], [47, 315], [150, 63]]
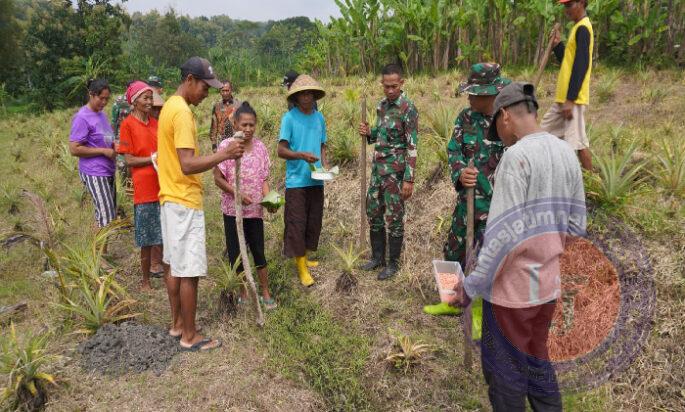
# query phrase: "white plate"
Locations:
[[322, 176]]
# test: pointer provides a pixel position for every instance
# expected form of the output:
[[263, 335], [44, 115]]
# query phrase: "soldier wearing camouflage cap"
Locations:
[[470, 141], [392, 174]]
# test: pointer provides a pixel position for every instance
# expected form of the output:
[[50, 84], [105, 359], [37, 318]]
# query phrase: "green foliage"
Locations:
[[618, 176], [88, 292], [606, 85], [407, 352], [349, 256], [342, 147], [227, 278], [670, 166], [23, 361], [304, 340]]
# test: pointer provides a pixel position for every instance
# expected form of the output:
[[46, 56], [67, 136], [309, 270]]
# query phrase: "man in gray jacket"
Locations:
[[538, 205]]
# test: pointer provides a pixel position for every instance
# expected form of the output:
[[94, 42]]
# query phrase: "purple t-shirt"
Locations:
[[92, 129]]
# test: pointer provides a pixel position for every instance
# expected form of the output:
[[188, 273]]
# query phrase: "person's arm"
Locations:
[[221, 182], [284, 152], [191, 164], [79, 149], [135, 161], [373, 135], [581, 63], [455, 155], [411, 135], [265, 188]]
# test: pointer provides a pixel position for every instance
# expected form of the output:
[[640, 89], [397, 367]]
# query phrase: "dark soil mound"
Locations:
[[128, 347]]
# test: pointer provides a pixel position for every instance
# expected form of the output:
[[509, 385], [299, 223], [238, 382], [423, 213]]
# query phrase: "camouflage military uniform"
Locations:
[[469, 140], [120, 110], [394, 161]]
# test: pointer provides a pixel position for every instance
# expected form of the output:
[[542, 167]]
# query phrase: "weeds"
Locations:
[[23, 363], [407, 352], [670, 167], [654, 94], [227, 285], [342, 148], [349, 258], [605, 88], [617, 177]]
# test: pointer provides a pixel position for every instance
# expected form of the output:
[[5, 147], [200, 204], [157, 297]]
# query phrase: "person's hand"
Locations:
[[567, 109], [555, 36], [308, 157], [234, 150], [407, 190], [460, 299], [364, 129], [468, 177], [245, 200], [111, 153]]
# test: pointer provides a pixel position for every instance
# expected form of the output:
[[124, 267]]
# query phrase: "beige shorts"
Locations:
[[183, 235], [572, 131]]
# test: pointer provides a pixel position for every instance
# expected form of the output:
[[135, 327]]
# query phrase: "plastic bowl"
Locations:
[[322, 175], [447, 276]]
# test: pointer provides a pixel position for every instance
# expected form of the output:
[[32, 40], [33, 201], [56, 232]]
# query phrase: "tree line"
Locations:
[[50, 48], [436, 35]]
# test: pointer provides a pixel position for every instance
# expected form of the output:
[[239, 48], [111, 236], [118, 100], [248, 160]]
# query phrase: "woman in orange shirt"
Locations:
[[138, 144]]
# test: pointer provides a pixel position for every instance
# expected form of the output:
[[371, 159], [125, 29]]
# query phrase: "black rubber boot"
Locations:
[[377, 240], [394, 251]]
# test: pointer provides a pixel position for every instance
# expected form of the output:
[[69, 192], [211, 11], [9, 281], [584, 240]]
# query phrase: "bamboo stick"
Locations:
[[470, 222], [545, 57], [252, 287], [362, 184]]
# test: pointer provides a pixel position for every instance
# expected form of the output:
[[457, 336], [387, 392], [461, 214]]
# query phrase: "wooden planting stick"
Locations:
[[252, 287], [362, 184], [470, 224], [545, 57]]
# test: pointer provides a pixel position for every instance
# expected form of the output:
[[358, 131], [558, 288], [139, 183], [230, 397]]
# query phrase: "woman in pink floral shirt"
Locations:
[[254, 186]]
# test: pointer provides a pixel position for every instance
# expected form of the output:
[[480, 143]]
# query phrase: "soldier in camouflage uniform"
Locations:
[[470, 141], [392, 173]]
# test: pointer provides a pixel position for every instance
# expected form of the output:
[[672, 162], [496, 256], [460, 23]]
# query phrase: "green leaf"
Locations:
[[635, 39]]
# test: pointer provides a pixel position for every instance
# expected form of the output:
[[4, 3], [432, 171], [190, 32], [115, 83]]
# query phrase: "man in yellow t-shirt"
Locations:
[[566, 118], [180, 195]]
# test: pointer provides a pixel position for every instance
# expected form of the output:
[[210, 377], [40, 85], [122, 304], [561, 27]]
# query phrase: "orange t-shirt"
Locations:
[[139, 139]]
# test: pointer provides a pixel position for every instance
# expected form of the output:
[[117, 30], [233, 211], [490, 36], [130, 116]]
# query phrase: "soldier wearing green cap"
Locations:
[[470, 141]]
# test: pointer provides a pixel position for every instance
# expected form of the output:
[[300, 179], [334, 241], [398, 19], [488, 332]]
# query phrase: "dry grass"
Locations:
[[244, 374]]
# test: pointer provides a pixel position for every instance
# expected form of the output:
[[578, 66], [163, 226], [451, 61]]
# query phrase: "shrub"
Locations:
[[407, 352], [617, 177], [23, 363], [670, 166], [343, 147]]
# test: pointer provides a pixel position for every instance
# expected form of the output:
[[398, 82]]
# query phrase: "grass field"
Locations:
[[322, 350]]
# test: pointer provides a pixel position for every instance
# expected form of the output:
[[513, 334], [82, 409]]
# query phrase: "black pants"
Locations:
[[303, 218], [515, 361], [254, 237]]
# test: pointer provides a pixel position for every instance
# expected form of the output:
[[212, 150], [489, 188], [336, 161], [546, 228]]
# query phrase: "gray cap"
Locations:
[[510, 95], [201, 69]]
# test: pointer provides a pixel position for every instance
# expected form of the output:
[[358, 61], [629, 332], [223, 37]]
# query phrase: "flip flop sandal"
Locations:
[[157, 275], [198, 329], [269, 304], [198, 347]]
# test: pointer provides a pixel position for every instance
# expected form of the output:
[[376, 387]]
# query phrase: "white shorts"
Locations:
[[183, 236], [572, 131]]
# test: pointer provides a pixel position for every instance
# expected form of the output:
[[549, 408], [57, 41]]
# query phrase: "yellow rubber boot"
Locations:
[[311, 263], [302, 269]]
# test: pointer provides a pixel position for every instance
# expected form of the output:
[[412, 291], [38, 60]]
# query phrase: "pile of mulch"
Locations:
[[128, 347], [587, 311]]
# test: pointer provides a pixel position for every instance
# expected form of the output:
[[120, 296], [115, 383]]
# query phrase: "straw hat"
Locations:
[[305, 82]]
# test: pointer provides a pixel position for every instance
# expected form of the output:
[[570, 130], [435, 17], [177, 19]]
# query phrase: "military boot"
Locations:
[[377, 240], [394, 251]]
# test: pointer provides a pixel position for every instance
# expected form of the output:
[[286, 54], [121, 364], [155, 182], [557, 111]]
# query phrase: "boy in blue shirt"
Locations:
[[302, 142]]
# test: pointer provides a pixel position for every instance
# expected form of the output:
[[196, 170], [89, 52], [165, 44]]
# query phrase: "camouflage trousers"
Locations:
[[455, 247], [384, 204]]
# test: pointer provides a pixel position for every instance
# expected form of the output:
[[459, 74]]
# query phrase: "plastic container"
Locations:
[[322, 176], [447, 276]]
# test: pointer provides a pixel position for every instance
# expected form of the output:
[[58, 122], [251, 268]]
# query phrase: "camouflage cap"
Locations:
[[154, 81], [485, 80]]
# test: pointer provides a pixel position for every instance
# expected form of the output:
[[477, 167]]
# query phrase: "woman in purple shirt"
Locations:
[[92, 141]]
